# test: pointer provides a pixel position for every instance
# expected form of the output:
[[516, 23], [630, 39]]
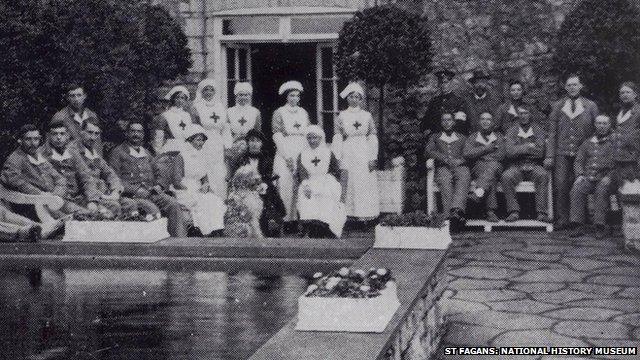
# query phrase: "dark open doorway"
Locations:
[[272, 65]]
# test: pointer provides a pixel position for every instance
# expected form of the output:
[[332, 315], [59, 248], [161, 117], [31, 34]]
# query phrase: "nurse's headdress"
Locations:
[[290, 86], [352, 88]]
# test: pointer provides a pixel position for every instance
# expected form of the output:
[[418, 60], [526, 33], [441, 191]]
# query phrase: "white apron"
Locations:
[[242, 119], [179, 122], [357, 149], [207, 210], [213, 119], [289, 146], [324, 203]]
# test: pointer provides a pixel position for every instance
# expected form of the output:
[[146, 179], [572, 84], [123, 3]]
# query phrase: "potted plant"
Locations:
[[415, 230], [630, 201]]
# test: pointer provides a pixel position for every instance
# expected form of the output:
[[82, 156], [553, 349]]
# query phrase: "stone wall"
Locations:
[[422, 330]]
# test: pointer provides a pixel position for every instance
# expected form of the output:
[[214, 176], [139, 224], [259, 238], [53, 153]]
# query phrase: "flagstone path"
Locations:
[[528, 289]]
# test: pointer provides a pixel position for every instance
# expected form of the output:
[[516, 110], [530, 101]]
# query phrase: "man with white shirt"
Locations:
[[75, 113], [485, 150], [525, 147], [135, 167], [570, 124], [451, 170]]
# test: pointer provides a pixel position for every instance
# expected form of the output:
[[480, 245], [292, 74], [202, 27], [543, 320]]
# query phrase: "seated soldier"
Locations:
[[593, 168], [107, 181], [451, 172], [485, 149], [27, 171], [17, 228], [525, 147], [66, 160], [135, 167]]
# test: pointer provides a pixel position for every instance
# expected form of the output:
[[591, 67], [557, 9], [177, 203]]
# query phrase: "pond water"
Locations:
[[67, 313]]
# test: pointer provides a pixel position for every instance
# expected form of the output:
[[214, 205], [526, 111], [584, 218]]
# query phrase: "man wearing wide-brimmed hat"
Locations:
[[480, 100]]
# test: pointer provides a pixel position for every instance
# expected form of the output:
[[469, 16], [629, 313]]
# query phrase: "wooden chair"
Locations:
[[42, 203], [523, 187]]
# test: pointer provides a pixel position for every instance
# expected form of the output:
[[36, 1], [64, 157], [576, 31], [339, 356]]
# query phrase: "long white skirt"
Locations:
[[324, 203], [216, 166], [207, 210], [363, 197], [293, 146]]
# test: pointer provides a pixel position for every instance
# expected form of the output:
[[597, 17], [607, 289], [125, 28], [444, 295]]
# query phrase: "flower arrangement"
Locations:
[[106, 215], [350, 283], [414, 219], [246, 181]]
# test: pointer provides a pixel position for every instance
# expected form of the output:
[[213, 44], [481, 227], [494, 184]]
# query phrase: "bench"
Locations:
[[41, 203], [523, 187]]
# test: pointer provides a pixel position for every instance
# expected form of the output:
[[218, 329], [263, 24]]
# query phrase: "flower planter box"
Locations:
[[116, 231], [631, 219], [370, 315], [405, 237]]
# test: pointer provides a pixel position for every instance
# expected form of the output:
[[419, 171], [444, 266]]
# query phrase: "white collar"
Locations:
[[623, 116], [91, 154], [490, 139], [594, 139], [567, 108], [354, 109], [449, 138], [80, 118], [525, 134], [55, 155], [291, 109], [39, 159], [137, 154], [480, 97], [512, 110]]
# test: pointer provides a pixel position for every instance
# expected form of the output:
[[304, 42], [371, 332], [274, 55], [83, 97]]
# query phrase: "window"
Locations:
[[238, 68]]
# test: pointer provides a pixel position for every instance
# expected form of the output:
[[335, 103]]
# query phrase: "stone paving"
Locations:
[[528, 289]]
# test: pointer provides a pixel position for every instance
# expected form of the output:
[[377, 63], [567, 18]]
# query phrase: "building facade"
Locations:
[[268, 42]]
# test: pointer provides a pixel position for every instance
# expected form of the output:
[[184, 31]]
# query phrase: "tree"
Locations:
[[600, 39], [384, 45], [120, 50]]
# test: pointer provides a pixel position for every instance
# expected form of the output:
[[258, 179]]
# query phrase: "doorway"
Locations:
[[274, 63]]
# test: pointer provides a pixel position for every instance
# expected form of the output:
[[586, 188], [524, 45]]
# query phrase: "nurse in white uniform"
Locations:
[[289, 130], [243, 116], [356, 146], [207, 208], [170, 127], [320, 194], [212, 116]]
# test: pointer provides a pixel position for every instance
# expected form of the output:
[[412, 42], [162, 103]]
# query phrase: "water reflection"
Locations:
[[67, 313]]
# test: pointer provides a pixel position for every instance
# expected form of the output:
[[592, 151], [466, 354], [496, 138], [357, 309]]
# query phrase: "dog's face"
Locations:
[[249, 180]]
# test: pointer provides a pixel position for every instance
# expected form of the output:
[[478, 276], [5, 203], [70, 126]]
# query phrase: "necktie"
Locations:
[[573, 105]]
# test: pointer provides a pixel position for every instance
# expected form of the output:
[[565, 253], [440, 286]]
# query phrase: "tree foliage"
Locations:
[[601, 40], [384, 45], [120, 50]]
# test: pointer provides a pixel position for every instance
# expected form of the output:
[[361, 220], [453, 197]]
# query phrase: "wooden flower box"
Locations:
[[631, 219], [412, 237], [116, 231], [367, 315]]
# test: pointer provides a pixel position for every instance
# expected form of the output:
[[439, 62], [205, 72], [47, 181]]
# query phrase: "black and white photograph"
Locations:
[[319, 179]]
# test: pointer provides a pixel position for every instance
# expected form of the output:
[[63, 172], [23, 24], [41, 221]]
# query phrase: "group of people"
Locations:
[[207, 167], [195, 163], [482, 142]]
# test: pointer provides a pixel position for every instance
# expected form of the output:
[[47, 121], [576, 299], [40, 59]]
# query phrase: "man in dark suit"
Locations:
[[480, 100]]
